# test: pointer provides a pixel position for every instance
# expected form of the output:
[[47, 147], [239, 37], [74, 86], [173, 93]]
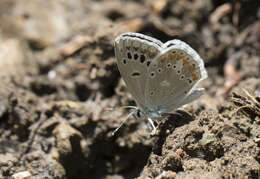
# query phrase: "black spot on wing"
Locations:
[[135, 74], [142, 58], [135, 56], [129, 56]]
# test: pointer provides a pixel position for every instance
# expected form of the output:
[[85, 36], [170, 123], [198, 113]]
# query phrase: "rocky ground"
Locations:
[[58, 76]]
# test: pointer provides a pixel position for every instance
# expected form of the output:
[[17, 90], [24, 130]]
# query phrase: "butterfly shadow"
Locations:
[[167, 126]]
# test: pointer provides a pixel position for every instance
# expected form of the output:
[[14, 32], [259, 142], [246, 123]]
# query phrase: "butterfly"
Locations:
[[160, 76]]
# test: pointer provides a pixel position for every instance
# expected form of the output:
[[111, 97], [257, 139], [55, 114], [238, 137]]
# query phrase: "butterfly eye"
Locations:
[[138, 113], [159, 70], [182, 77], [178, 71], [174, 66]]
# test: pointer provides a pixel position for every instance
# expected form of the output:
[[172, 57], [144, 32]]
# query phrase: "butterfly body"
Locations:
[[160, 76]]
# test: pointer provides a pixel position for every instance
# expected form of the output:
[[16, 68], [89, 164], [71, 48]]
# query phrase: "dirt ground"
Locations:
[[58, 77]]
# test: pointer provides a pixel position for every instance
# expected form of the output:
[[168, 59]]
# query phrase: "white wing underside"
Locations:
[[161, 77]]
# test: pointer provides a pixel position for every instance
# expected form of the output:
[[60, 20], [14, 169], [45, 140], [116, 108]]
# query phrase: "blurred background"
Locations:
[[58, 76]]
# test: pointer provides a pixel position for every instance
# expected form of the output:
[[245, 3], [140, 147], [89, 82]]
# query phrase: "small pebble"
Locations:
[[21, 175]]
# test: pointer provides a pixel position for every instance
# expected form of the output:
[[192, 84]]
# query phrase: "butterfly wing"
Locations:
[[172, 77], [134, 53], [194, 94]]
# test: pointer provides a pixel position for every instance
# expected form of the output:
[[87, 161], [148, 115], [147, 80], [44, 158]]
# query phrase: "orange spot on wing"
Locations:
[[191, 68], [179, 57], [163, 59], [151, 54], [172, 56], [185, 61], [194, 76]]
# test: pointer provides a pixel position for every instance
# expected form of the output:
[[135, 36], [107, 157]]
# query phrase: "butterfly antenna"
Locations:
[[130, 114], [122, 107]]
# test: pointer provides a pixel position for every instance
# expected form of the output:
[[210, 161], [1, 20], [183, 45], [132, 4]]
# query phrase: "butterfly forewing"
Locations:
[[172, 76], [134, 53]]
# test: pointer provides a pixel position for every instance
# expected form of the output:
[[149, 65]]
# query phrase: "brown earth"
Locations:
[[58, 76]]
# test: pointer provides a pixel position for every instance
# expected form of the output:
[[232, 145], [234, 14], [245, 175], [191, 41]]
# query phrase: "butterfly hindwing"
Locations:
[[172, 76]]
